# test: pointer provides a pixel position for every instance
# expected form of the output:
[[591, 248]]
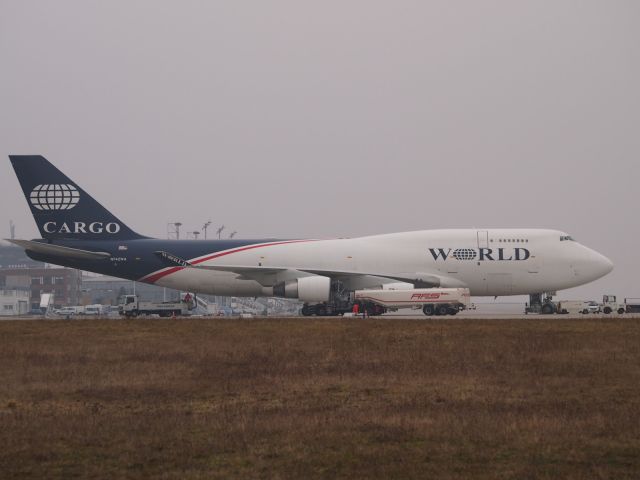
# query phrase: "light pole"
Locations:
[[177, 225], [232, 234], [204, 228], [219, 231], [195, 234]]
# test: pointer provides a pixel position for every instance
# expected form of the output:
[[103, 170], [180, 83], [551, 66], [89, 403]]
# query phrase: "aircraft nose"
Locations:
[[605, 265], [599, 265]]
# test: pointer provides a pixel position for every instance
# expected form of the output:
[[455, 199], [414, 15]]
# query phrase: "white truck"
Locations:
[[432, 301], [610, 304], [132, 307]]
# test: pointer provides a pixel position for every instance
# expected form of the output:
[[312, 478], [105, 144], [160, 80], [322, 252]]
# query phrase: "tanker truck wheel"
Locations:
[[442, 310], [427, 310]]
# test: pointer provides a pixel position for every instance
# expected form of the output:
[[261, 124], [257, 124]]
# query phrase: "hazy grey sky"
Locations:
[[334, 118]]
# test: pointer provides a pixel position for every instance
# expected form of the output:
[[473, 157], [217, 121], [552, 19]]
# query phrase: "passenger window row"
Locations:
[[510, 240]]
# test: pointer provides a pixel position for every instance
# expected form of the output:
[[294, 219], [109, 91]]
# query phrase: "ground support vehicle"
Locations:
[[632, 305], [132, 307], [328, 309], [592, 307], [432, 301], [610, 305], [572, 307], [547, 306]]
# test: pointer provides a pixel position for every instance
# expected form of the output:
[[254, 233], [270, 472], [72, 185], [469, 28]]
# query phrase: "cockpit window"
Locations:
[[564, 238]]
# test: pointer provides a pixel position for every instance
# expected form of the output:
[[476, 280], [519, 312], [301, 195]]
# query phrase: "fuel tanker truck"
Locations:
[[432, 301]]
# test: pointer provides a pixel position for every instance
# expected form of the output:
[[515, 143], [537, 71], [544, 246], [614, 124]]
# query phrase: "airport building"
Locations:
[[14, 302], [14, 257], [64, 283], [23, 281], [105, 290], [27, 277]]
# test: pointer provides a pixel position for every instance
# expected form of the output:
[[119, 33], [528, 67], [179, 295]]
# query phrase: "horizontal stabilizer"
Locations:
[[59, 251]]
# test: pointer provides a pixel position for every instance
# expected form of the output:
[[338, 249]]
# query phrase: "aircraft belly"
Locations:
[[212, 283]]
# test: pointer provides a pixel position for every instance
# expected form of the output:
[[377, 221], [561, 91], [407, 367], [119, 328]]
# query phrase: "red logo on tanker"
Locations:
[[425, 296]]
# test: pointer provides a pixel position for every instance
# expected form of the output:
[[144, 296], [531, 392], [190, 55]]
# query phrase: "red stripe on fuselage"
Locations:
[[154, 277]]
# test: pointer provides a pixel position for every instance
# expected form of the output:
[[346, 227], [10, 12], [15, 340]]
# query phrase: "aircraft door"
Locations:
[[533, 264], [483, 239]]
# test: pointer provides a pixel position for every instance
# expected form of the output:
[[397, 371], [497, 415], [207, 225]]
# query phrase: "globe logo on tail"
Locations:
[[54, 197]]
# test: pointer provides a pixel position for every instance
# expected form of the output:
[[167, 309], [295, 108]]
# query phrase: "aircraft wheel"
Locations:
[[373, 310], [321, 310], [427, 310], [547, 309]]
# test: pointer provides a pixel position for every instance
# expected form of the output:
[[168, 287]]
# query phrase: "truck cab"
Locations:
[[128, 305], [610, 304]]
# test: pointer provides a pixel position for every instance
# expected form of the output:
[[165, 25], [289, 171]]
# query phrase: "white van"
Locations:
[[68, 311], [93, 310]]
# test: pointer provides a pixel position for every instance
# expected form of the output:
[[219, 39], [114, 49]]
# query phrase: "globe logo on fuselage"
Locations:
[[54, 197], [464, 254], [481, 254]]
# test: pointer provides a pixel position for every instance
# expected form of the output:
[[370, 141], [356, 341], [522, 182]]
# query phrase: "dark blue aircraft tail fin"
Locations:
[[61, 208]]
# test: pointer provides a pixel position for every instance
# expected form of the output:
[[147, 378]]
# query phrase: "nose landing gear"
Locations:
[[538, 304]]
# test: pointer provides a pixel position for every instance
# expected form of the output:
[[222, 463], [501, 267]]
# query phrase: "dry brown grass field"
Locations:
[[320, 398]]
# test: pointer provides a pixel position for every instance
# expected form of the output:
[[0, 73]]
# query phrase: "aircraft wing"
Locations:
[[59, 251], [260, 274], [269, 276]]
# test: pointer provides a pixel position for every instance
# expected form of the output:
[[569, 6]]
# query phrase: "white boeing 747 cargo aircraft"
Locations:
[[78, 232]]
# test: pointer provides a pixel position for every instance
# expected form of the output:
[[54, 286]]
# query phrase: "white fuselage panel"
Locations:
[[491, 262]]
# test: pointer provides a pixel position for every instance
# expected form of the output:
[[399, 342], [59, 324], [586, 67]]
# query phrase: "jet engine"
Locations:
[[308, 289]]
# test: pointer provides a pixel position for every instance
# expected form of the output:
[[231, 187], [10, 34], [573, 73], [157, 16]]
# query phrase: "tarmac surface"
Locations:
[[389, 316]]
